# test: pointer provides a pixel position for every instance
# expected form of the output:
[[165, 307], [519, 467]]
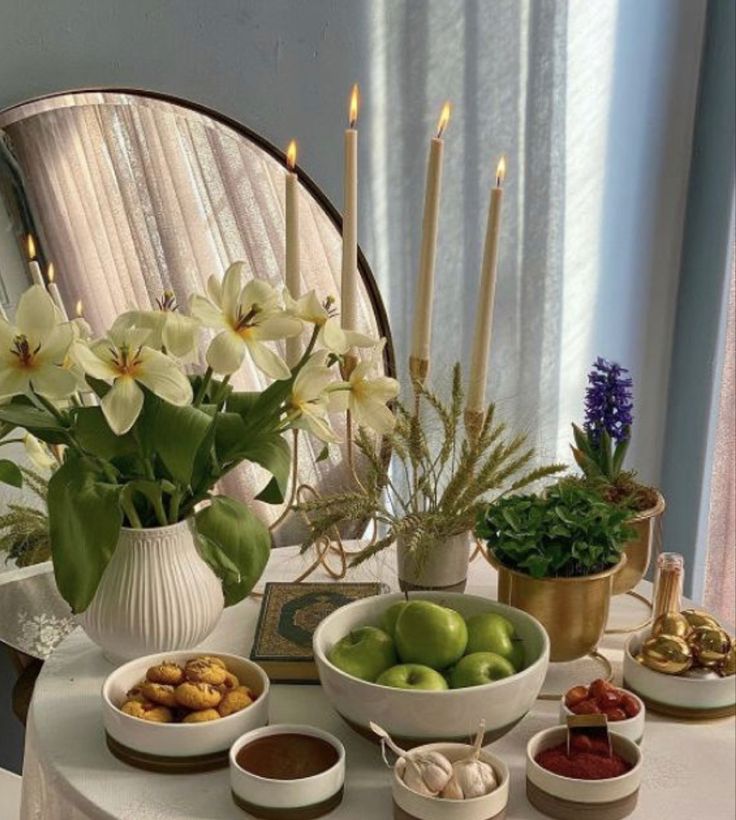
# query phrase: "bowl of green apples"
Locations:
[[429, 667]]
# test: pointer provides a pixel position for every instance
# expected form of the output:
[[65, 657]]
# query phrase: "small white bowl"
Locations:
[[559, 796], [414, 717], [676, 695], [287, 799], [180, 747], [632, 728], [420, 807]]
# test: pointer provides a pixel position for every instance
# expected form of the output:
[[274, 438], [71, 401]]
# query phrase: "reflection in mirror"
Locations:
[[127, 195]]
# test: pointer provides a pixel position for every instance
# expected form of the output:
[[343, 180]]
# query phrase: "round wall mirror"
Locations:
[[128, 194]]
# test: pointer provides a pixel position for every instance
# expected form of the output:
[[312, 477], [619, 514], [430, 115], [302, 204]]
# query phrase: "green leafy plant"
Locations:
[[432, 488], [567, 532]]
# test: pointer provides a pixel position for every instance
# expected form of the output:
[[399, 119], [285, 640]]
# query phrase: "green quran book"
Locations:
[[289, 615]]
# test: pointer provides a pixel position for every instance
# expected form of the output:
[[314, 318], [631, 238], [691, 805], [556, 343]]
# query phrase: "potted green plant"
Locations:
[[426, 498], [557, 554], [600, 449], [141, 543]]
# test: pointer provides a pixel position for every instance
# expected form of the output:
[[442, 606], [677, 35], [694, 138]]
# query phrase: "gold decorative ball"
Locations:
[[672, 623], [728, 667], [709, 646], [667, 653], [698, 617]]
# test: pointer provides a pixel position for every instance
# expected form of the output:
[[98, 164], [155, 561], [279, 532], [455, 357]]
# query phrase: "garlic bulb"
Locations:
[[471, 776]]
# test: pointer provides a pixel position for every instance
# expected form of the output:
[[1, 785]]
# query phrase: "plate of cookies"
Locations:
[[181, 711]]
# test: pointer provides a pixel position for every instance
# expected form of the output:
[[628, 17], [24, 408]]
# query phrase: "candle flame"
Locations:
[[79, 308], [353, 111], [500, 172], [444, 119], [50, 272], [30, 246], [291, 155]]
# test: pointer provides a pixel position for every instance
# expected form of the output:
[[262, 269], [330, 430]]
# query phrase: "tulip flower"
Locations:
[[171, 331], [33, 350], [246, 318], [126, 361], [309, 400]]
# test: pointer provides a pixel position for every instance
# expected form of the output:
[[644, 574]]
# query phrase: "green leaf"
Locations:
[[23, 415], [84, 525], [10, 473], [606, 454], [618, 457], [242, 403], [270, 450], [94, 434], [178, 433], [242, 538], [218, 561], [323, 454]]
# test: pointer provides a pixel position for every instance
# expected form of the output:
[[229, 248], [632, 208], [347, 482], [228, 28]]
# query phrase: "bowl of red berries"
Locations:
[[624, 710]]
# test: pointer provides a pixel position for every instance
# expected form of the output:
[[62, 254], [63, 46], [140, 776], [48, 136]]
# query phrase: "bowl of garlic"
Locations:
[[448, 781]]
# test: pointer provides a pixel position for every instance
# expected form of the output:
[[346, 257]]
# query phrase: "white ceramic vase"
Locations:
[[442, 567], [155, 595]]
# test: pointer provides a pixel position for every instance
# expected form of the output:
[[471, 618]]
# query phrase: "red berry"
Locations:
[[630, 705], [609, 698], [615, 714], [576, 695], [580, 743], [598, 687], [586, 707]]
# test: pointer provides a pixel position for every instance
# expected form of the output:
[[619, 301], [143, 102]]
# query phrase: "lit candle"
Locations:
[[349, 283], [53, 289], [293, 345], [33, 265], [476, 403], [422, 331]]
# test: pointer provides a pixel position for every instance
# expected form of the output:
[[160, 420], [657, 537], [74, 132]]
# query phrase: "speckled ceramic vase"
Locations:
[[155, 595], [442, 567]]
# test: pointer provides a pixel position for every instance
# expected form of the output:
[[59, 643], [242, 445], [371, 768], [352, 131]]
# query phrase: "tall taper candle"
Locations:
[[476, 403], [349, 281], [293, 283], [33, 265], [53, 289], [422, 331]]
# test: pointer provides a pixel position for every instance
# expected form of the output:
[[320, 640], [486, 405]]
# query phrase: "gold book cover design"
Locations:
[[289, 615]]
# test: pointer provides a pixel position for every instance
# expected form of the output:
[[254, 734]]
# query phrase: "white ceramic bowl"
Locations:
[[414, 717], [632, 728], [420, 807], [613, 797], [676, 695], [150, 743], [287, 799]]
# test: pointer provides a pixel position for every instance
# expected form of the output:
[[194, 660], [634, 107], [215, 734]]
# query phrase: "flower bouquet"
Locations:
[[144, 435]]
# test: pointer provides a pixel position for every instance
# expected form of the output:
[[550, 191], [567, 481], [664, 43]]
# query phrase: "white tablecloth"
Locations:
[[70, 775]]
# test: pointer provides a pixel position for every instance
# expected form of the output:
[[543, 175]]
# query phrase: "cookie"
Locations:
[[212, 659], [204, 670], [202, 716], [195, 695], [169, 673], [136, 693], [230, 683], [147, 711], [160, 693], [234, 701]]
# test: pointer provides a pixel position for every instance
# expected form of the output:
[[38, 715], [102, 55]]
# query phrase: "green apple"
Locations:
[[491, 632], [365, 653], [430, 634], [412, 676], [480, 668], [390, 616]]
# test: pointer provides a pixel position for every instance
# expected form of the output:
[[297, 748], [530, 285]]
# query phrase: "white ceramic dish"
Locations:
[[674, 694], [413, 717], [419, 807], [632, 728], [179, 746], [614, 797], [287, 799]]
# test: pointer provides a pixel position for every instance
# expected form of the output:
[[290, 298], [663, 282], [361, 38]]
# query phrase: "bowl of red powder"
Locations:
[[559, 784]]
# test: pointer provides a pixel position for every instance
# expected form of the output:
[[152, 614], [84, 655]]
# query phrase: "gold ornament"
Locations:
[[728, 667], [709, 645], [667, 653], [672, 623], [698, 617]]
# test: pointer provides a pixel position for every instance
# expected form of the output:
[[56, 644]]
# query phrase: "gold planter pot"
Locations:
[[638, 551], [574, 611]]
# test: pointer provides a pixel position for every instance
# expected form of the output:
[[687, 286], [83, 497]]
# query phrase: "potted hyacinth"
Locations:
[[600, 450], [142, 545]]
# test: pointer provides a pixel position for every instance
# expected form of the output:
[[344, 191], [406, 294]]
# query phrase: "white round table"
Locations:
[[69, 774]]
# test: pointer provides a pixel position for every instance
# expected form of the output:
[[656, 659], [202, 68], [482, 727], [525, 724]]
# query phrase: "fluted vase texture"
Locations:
[[155, 595]]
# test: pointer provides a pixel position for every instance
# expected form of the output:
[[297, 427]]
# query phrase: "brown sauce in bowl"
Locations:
[[287, 756]]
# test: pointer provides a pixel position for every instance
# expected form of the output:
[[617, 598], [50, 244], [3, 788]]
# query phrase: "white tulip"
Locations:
[[33, 350], [171, 331], [125, 360], [309, 400], [39, 453], [246, 318]]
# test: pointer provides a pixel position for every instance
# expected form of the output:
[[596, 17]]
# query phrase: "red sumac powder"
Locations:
[[589, 761]]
